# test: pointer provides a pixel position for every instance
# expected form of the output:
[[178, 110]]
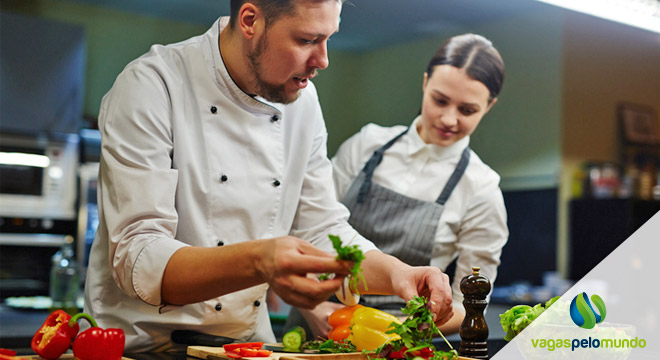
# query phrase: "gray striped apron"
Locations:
[[399, 225]]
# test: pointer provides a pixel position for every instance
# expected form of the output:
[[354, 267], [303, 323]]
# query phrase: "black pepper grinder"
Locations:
[[474, 330]]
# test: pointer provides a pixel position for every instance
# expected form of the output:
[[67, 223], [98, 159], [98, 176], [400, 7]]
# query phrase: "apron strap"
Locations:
[[371, 165], [455, 177]]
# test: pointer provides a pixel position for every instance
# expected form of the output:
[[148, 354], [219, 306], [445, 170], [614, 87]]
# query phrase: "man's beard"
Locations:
[[270, 92]]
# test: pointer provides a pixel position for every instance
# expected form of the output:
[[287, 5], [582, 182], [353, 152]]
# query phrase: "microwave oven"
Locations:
[[38, 176]]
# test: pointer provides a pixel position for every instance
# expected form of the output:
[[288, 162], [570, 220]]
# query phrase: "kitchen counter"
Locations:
[[18, 325]]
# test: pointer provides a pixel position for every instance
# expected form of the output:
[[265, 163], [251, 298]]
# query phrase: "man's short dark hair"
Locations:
[[272, 9]]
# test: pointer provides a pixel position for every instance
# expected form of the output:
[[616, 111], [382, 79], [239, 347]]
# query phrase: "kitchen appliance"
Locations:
[[38, 176], [38, 193]]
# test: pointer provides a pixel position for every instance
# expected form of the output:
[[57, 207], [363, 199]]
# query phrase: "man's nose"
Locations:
[[319, 59]]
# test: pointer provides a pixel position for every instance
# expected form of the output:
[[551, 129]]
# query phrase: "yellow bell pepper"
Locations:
[[368, 327]]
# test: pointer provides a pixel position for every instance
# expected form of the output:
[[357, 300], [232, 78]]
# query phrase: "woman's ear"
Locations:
[[490, 105], [248, 19], [426, 79]]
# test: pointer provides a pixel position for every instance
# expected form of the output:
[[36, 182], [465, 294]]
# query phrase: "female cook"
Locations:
[[419, 192]]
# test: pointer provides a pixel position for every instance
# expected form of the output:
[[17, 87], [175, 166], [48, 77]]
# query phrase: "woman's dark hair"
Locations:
[[475, 54]]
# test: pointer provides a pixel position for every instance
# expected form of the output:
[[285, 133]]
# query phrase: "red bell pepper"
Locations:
[[251, 345], [96, 343], [55, 335], [249, 349]]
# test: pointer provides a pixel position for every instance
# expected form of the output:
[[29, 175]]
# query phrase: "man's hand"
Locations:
[[429, 282], [286, 265]]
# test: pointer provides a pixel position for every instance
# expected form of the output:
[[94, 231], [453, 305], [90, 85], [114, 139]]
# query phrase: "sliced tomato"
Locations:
[[249, 345], [7, 352]]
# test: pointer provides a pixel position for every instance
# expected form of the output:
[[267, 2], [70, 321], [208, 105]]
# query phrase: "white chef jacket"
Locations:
[[473, 224], [189, 159]]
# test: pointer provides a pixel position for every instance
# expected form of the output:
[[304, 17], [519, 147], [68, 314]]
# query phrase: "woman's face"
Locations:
[[452, 106]]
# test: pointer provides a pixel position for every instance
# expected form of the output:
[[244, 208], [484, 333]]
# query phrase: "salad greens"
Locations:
[[350, 253], [517, 318], [329, 346], [416, 333]]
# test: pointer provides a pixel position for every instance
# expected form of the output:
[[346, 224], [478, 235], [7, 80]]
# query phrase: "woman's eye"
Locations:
[[468, 111], [441, 101]]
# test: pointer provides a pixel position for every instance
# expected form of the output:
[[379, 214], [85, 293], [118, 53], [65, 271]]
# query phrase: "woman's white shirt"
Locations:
[[473, 224]]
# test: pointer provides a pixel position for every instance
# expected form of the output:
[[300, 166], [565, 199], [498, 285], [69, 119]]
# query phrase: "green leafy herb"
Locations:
[[329, 346], [416, 333], [354, 254], [517, 318]]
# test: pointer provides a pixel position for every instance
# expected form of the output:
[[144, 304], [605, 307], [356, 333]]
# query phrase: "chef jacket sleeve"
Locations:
[[137, 182], [482, 234], [319, 214]]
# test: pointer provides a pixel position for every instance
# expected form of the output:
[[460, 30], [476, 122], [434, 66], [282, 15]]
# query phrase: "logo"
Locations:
[[583, 314]]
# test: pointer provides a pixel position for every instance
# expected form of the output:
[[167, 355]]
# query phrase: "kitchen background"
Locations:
[[574, 184]]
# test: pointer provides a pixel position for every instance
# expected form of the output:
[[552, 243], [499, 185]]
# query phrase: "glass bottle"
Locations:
[[64, 280]]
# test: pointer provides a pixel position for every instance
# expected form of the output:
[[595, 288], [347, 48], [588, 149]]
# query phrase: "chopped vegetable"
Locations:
[[354, 254], [517, 318], [416, 334], [55, 335], [294, 338], [251, 345], [247, 349], [330, 346]]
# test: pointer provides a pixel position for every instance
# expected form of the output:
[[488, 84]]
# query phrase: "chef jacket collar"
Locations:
[[249, 103], [416, 144]]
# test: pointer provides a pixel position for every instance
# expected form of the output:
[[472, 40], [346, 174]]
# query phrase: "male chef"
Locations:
[[215, 185]]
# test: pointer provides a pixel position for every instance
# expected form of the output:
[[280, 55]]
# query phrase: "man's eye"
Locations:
[[441, 101], [307, 42]]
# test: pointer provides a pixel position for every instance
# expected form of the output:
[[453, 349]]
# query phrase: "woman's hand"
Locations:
[[317, 318], [287, 261], [386, 274]]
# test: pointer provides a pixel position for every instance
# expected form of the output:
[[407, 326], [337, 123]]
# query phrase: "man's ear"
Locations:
[[249, 19]]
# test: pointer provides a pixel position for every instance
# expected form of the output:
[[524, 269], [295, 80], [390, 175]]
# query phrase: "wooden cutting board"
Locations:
[[63, 357], [218, 353], [213, 353]]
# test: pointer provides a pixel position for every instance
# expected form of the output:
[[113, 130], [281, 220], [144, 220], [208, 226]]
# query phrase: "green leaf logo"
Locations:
[[583, 314]]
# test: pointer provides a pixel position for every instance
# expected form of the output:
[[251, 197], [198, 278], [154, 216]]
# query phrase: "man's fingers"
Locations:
[[306, 292], [318, 265]]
